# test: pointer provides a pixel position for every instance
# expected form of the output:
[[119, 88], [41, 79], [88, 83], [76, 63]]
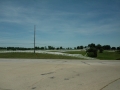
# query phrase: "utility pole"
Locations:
[[34, 38]]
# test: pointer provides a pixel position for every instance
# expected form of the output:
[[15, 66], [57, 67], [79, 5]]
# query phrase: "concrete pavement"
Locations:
[[41, 74]]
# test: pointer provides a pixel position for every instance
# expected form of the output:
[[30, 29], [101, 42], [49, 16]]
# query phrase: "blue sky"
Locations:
[[67, 23]]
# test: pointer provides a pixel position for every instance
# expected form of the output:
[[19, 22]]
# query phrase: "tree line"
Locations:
[[98, 46], [93, 49]]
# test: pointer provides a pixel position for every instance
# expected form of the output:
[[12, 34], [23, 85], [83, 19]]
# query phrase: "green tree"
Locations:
[[51, 48], [118, 48], [42, 48], [81, 47], [78, 47], [100, 48], [106, 47], [92, 52], [75, 48], [92, 45], [61, 47], [113, 48], [57, 48]]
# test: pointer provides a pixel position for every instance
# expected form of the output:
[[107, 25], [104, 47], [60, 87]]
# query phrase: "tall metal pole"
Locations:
[[34, 38]]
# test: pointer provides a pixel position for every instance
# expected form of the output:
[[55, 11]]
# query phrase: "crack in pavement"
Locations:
[[53, 71], [85, 63], [109, 84], [47, 73]]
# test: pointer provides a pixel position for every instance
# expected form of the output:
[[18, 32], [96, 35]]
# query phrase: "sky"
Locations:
[[67, 23]]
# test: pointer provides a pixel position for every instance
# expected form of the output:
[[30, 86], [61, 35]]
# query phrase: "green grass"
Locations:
[[34, 56], [106, 55], [102, 56], [76, 52]]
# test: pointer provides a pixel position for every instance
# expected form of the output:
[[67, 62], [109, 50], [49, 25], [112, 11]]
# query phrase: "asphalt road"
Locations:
[[41, 74]]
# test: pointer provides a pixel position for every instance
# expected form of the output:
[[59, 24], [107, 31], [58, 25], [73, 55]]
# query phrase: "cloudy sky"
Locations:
[[67, 23]]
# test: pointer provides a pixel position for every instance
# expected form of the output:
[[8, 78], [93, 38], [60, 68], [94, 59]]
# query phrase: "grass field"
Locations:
[[106, 55], [109, 55], [34, 56], [76, 52]]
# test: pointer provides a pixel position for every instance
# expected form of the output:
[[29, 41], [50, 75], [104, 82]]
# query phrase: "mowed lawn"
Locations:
[[106, 55], [34, 56]]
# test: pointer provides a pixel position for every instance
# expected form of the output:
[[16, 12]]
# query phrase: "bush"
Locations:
[[92, 52]]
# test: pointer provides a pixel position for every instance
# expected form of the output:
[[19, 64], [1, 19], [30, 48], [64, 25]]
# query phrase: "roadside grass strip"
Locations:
[[44, 54]]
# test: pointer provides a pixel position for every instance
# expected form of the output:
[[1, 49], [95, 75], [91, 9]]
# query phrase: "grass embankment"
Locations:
[[106, 55], [34, 56]]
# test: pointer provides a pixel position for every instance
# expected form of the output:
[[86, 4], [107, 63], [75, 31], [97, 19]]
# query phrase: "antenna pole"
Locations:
[[34, 38]]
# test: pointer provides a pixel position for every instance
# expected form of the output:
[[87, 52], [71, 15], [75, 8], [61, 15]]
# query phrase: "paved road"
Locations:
[[41, 74]]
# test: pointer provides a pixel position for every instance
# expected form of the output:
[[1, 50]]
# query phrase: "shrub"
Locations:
[[92, 52]]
